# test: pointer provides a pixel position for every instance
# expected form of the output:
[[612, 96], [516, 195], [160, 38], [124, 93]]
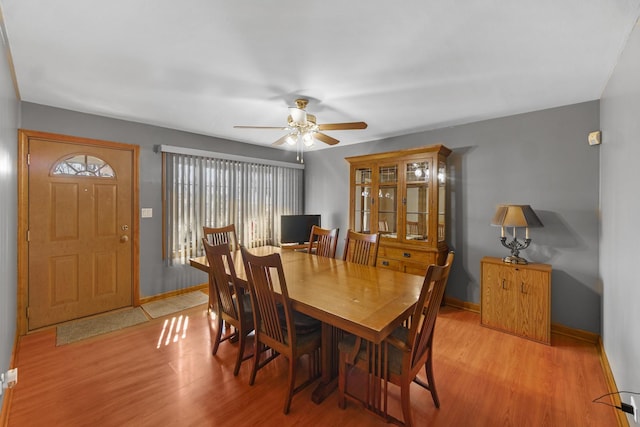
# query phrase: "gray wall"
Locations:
[[155, 276], [9, 117], [620, 204], [540, 158]]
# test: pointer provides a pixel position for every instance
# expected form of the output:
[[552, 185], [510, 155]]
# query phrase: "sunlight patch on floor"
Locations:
[[173, 330]]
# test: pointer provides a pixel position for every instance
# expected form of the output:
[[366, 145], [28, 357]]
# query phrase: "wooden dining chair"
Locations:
[[218, 235], [323, 241], [361, 248], [277, 325], [230, 303], [401, 355], [226, 234]]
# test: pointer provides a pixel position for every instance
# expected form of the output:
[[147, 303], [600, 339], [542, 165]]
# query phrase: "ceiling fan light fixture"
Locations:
[[292, 139], [307, 139], [302, 129]]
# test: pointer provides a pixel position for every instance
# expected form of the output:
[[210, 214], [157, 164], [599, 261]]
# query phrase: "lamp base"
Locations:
[[514, 260]]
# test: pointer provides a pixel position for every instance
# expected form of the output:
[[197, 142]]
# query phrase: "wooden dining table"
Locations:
[[366, 301]]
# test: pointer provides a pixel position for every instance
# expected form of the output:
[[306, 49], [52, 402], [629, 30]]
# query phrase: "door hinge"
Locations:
[[28, 312], [28, 159], [28, 235]]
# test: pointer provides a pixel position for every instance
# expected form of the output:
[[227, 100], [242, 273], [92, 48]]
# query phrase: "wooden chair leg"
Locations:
[[405, 401], [342, 382], [431, 381], [292, 383], [256, 360], [218, 335], [242, 340]]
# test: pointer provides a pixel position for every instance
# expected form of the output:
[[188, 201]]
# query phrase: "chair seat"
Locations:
[[394, 354], [303, 324], [247, 307], [308, 339]]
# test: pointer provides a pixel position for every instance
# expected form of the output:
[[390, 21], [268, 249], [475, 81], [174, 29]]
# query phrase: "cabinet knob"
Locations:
[[406, 255], [385, 263], [523, 288]]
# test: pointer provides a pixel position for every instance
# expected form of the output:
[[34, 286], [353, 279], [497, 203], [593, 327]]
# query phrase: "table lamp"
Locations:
[[515, 216]]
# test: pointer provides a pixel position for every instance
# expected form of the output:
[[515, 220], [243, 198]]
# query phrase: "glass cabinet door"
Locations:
[[388, 201], [416, 201], [362, 199]]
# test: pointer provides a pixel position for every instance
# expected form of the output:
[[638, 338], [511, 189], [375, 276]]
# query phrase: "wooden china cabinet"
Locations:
[[402, 195]]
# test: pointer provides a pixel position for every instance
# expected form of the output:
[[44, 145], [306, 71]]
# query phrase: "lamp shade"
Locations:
[[516, 216]]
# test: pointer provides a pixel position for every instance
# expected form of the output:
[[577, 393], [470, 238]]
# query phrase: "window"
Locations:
[[201, 190], [83, 165]]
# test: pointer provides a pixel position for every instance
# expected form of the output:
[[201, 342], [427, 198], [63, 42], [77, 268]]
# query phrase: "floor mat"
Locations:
[[172, 305], [84, 328]]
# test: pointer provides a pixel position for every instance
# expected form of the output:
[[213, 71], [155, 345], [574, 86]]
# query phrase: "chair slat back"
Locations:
[[223, 279], [326, 241], [218, 235], [361, 248], [426, 310], [265, 297]]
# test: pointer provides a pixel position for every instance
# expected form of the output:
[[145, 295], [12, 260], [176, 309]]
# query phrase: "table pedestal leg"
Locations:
[[329, 380]]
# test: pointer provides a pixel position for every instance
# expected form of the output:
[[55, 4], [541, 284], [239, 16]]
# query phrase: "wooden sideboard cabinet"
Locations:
[[516, 298], [402, 195]]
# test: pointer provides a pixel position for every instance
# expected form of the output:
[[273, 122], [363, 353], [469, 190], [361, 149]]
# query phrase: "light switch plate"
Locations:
[[146, 213]]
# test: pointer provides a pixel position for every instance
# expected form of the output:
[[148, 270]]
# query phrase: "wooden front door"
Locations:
[[81, 219]]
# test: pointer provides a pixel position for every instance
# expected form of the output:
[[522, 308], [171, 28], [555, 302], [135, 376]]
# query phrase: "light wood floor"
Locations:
[[131, 377]]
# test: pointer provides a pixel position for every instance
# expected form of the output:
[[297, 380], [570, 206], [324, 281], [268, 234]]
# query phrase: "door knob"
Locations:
[[124, 238]]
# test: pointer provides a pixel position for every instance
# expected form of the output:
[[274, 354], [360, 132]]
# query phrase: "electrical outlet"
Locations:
[[8, 379], [635, 410], [12, 377]]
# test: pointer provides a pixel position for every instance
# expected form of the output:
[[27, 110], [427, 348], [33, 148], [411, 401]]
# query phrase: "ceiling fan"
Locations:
[[303, 127]]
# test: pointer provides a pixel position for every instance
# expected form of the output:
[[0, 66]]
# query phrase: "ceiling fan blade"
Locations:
[[343, 126], [281, 140], [325, 138], [261, 127]]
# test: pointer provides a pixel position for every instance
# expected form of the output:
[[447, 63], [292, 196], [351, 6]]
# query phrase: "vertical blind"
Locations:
[[204, 191]]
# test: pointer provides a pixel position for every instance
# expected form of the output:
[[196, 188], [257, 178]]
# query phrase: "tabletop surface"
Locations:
[[366, 301]]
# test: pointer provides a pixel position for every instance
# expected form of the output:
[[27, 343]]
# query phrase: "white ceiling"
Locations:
[[204, 66]]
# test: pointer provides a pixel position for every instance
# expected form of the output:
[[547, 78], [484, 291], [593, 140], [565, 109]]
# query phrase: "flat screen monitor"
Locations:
[[297, 228]]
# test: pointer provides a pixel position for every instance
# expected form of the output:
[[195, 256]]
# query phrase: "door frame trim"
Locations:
[[23, 214]]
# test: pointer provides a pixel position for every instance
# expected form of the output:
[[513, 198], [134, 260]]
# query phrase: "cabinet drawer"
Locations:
[[407, 254], [392, 264], [406, 267]]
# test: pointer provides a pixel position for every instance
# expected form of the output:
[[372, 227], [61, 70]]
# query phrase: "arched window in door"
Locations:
[[83, 165]]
